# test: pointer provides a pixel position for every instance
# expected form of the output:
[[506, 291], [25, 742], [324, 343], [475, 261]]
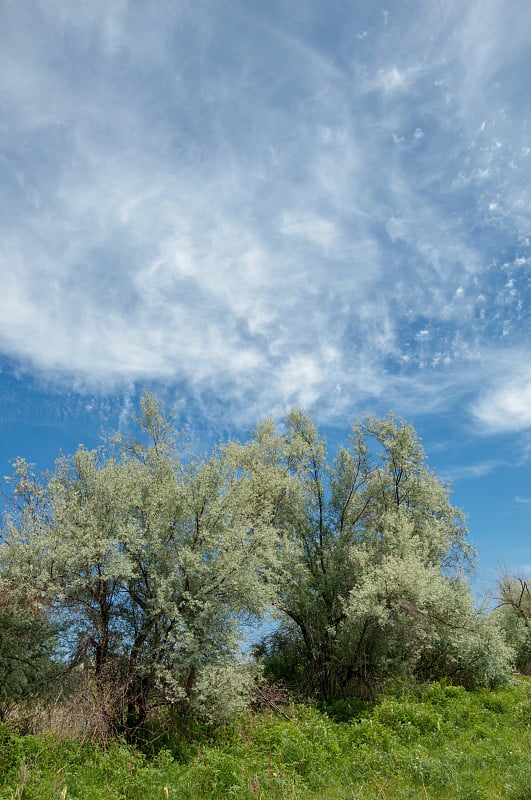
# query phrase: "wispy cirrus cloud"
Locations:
[[350, 227], [474, 471]]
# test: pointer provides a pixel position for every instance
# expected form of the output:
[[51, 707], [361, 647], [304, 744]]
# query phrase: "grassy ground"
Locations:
[[442, 743]]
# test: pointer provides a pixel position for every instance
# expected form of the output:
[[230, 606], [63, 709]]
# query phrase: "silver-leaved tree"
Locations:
[[374, 560], [513, 613], [148, 561]]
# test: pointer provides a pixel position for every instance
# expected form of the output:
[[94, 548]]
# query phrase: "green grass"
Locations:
[[440, 742]]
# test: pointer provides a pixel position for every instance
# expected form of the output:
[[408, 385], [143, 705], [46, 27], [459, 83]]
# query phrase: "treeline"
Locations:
[[128, 575]]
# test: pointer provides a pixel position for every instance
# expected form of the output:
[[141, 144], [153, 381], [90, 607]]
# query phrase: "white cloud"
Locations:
[[176, 207], [472, 471], [313, 229], [506, 407]]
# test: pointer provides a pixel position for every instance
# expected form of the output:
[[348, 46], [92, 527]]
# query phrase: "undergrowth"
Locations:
[[440, 742]]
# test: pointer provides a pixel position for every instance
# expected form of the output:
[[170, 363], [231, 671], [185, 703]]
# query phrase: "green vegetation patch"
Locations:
[[438, 742]]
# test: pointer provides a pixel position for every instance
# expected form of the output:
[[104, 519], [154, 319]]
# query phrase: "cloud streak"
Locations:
[[266, 211]]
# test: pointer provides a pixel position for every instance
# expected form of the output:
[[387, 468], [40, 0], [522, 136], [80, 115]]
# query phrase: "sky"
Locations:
[[245, 206]]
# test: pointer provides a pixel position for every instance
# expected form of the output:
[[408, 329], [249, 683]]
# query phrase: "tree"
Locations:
[[374, 559], [27, 650], [149, 560], [514, 615], [28, 640]]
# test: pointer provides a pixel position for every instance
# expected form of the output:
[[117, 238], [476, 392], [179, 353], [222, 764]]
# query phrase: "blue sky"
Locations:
[[245, 205]]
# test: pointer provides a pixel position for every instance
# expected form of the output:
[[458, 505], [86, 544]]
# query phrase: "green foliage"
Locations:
[[435, 742], [374, 556], [11, 751], [514, 617], [148, 560], [27, 648]]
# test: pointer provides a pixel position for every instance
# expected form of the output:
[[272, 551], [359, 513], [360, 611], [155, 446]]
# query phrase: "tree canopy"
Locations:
[[147, 559], [514, 614], [374, 559]]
